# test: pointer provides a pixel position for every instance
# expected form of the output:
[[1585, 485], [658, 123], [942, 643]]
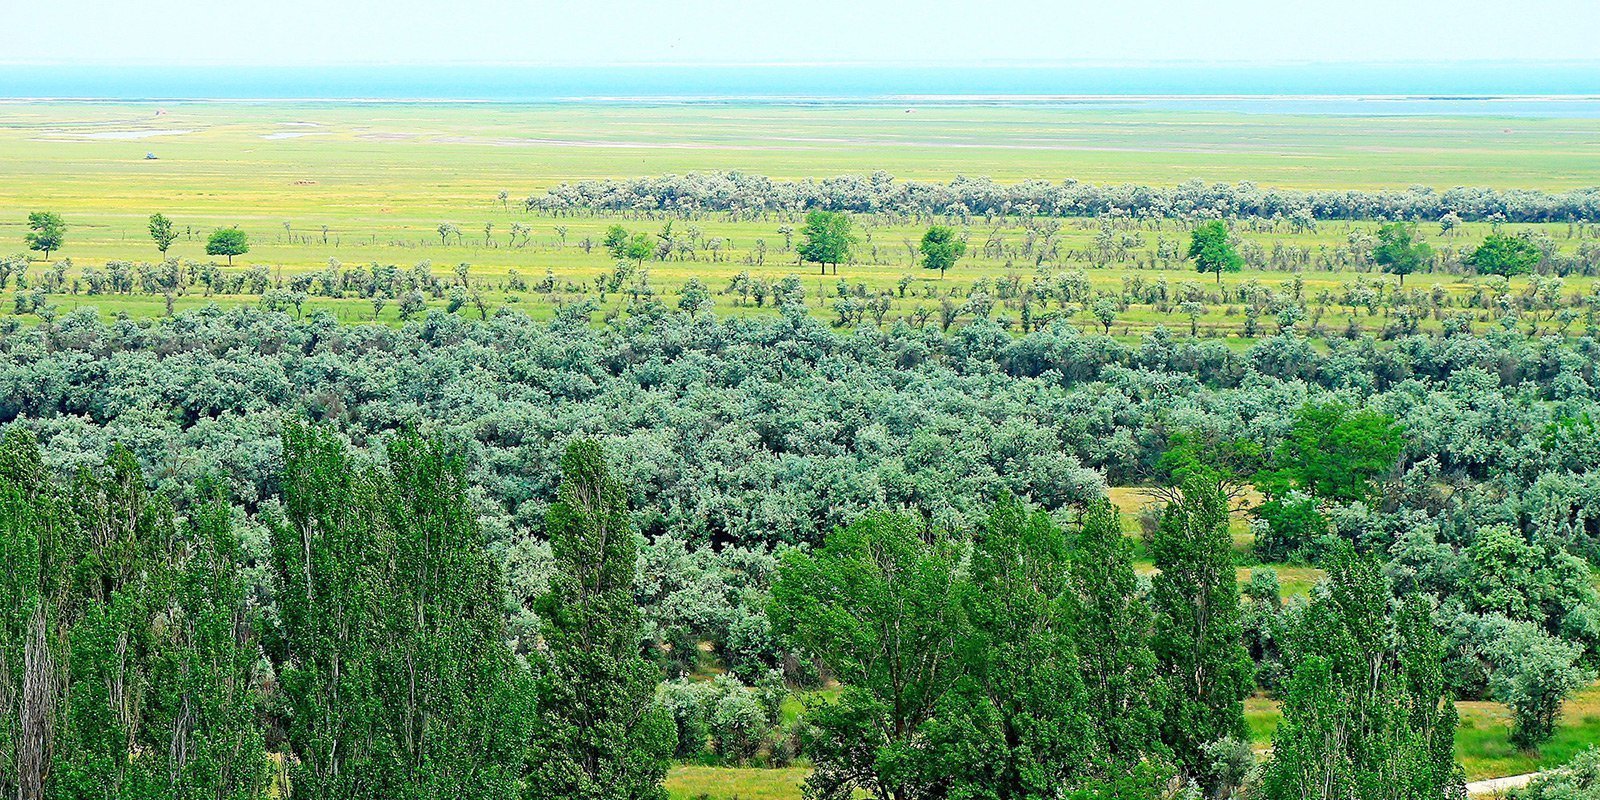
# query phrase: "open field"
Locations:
[[367, 184]]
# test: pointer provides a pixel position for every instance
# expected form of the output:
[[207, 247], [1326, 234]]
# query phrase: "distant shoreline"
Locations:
[[1451, 82], [1551, 106]]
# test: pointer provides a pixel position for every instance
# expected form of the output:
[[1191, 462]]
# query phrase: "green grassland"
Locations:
[[371, 183]]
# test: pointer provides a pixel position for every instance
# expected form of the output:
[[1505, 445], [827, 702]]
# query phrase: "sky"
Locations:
[[698, 32]]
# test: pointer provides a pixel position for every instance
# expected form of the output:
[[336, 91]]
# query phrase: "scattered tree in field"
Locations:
[[1212, 250], [1198, 642], [1532, 673], [412, 304], [1365, 713], [46, 232], [1399, 251], [941, 248], [695, 297], [1507, 256], [628, 247], [447, 230], [616, 241], [162, 232], [1105, 311], [826, 239], [228, 242], [599, 733]]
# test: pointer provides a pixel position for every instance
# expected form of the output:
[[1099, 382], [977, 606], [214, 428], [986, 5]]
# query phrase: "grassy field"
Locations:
[[371, 183]]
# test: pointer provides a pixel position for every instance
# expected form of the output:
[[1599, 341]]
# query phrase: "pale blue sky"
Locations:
[[294, 32]]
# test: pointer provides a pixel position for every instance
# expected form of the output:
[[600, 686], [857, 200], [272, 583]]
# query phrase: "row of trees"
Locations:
[[965, 197], [131, 655], [47, 232]]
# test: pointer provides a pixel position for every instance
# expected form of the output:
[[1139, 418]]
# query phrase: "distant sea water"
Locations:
[[1555, 89]]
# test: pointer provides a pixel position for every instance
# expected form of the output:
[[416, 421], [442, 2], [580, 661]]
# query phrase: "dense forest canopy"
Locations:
[[464, 483]]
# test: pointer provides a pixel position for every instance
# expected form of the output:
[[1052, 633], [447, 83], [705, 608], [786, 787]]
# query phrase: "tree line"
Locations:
[[964, 197]]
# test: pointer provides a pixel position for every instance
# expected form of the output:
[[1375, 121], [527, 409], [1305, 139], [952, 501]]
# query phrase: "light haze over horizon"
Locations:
[[709, 32]]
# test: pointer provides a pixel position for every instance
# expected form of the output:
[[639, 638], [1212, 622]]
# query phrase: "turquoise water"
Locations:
[[1456, 88]]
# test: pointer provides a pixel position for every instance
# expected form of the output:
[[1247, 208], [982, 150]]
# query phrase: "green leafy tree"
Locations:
[[941, 249], [1532, 673], [877, 605], [826, 239], [1199, 634], [695, 297], [1212, 250], [1113, 644], [393, 659], [46, 232], [599, 733], [1105, 312], [1399, 251], [1334, 453], [1018, 724], [162, 232], [228, 242], [616, 242], [1365, 713], [638, 248], [126, 652], [1503, 255]]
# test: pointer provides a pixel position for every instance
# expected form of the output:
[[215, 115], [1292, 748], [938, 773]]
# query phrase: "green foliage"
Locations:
[[826, 239], [941, 248], [1199, 636], [162, 232], [1294, 527], [228, 242], [600, 733], [1399, 251], [1333, 453], [392, 648], [1504, 255], [127, 661], [695, 298], [46, 232], [1578, 780], [1113, 642], [878, 606], [1532, 673], [1018, 724], [1211, 249], [1364, 711]]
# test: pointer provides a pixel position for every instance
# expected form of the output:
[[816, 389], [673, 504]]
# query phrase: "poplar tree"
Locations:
[[394, 659], [1199, 632], [1365, 713], [1023, 727], [599, 732], [1113, 640]]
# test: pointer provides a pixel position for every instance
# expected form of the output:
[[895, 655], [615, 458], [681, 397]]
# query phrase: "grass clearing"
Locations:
[[728, 783]]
